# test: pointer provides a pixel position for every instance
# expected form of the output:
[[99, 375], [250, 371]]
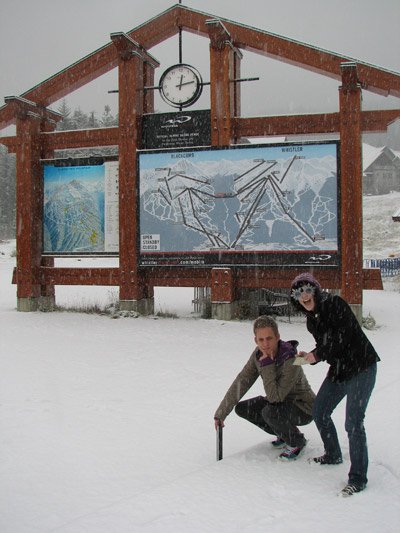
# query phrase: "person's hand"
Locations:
[[218, 423], [310, 357]]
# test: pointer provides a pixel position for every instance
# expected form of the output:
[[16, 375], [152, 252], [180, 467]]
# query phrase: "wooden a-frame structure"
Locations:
[[36, 139]]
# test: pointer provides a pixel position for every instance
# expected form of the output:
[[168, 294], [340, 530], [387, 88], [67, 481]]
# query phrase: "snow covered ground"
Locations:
[[107, 425], [381, 236]]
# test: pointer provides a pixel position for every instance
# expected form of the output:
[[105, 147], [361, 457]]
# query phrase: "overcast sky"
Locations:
[[41, 37]]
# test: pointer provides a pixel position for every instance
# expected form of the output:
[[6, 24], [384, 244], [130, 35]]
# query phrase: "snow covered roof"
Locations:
[[370, 154]]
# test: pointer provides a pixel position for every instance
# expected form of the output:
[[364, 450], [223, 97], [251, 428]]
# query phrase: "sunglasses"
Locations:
[[307, 289]]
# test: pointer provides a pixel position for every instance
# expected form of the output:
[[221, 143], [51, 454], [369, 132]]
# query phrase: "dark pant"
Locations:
[[280, 419], [358, 391]]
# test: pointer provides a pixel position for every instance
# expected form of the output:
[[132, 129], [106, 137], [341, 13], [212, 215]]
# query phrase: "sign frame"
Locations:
[[222, 257], [76, 163]]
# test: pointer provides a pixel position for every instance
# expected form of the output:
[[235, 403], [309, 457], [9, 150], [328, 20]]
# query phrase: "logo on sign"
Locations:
[[177, 120]]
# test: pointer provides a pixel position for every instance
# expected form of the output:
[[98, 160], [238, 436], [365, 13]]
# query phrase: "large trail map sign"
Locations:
[[80, 211], [245, 205]]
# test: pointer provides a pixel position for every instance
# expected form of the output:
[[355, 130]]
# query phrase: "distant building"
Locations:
[[381, 170], [396, 216]]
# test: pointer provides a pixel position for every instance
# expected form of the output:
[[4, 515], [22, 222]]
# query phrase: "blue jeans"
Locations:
[[358, 391]]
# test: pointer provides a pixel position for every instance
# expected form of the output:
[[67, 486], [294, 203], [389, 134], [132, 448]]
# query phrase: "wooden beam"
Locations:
[[324, 62], [74, 77], [324, 123], [329, 278], [372, 279], [62, 140], [84, 71], [126, 46], [282, 48], [376, 121], [28, 210], [286, 125], [10, 142], [222, 64], [130, 107], [22, 107], [222, 285], [184, 277], [351, 185], [178, 277], [158, 29], [371, 121], [79, 276], [167, 24]]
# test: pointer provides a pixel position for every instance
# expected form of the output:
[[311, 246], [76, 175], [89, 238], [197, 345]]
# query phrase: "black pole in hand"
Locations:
[[219, 443]]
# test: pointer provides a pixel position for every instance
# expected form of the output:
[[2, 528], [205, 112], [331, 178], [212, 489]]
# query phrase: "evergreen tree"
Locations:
[[7, 193], [79, 120], [107, 119], [92, 121], [65, 111]]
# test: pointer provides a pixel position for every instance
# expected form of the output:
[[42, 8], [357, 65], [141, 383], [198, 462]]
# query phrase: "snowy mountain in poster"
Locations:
[[253, 204], [73, 217]]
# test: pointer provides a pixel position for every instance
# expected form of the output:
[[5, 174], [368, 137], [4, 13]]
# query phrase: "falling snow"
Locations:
[[106, 425]]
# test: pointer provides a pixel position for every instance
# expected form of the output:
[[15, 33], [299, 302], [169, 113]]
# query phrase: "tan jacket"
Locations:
[[282, 381]]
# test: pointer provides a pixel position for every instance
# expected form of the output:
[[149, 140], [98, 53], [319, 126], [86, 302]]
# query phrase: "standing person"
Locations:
[[340, 342], [289, 398]]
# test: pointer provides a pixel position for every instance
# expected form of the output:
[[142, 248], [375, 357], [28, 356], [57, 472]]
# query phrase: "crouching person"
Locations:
[[288, 400]]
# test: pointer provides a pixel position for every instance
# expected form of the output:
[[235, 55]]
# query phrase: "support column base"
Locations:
[[224, 310], [47, 303], [27, 305], [144, 306]]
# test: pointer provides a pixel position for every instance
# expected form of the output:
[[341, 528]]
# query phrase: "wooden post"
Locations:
[[133, 292], [351, 187], [47, 291], [31, 120], [225, 102], [28, 210], [222, 91], [222, 293]]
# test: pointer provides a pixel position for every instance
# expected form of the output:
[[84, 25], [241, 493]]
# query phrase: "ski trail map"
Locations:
[[248, 200]]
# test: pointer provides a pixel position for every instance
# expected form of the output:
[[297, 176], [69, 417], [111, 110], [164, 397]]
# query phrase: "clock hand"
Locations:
[[185, 83], [180, 83]]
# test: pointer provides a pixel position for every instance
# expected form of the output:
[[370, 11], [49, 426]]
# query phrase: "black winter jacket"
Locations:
[[340, 340]]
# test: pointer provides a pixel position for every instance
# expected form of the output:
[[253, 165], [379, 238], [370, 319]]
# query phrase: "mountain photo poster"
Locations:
[[80, 210]]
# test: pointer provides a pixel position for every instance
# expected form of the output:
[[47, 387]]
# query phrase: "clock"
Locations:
[[181, 85]]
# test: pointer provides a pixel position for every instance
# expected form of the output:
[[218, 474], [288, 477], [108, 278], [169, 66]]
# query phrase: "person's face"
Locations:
[[267, 341], [307, 297]]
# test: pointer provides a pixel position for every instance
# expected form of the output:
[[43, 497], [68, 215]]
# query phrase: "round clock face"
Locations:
[[181, 85]]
